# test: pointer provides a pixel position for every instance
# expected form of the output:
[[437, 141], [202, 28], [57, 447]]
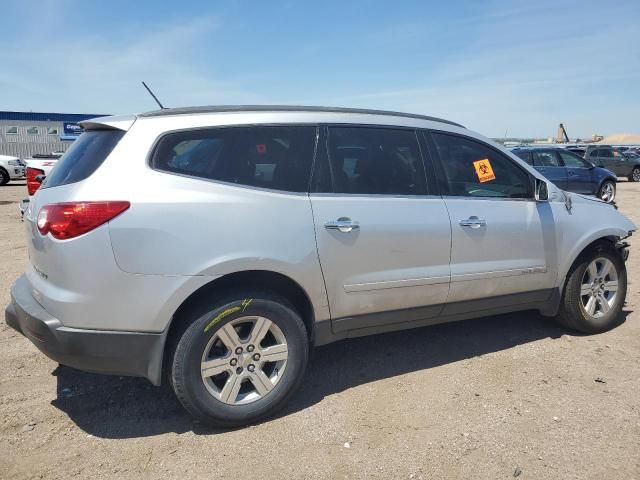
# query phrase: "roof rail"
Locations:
[[286, 108]]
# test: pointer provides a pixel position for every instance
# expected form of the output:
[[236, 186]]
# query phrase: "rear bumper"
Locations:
[[100, 351]]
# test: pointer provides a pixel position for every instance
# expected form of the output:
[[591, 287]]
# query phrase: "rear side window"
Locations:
[[524, 155], [366, 160], [269, 157], [473, 169], [83, 157]]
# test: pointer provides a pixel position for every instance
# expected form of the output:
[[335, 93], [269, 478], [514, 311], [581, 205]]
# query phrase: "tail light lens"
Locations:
[[68, 220], [32, 183]]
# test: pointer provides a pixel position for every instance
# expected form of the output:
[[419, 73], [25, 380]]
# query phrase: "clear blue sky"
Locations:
[[521, 66]]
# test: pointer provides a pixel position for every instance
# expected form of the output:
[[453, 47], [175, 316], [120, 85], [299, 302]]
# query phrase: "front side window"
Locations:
[[12, 130], [594, 153], [32, 131], [275, 157], [571, 160], [473, 169], [545, 159], [373, 160], [606, 153]]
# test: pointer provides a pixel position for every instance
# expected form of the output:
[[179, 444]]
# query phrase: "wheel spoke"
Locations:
[[262, 383], [604, 304], [590, 307], [274, 353], [229, 392], [593, 271], [611, 286], [214, 367], [585, 289], [229, 336], [605, 269], [259, 330]]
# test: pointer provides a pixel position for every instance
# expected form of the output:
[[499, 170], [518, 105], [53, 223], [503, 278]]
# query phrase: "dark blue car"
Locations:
[[570, 172]]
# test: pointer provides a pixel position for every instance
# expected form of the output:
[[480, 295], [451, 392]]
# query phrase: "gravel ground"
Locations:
[[500, 397]]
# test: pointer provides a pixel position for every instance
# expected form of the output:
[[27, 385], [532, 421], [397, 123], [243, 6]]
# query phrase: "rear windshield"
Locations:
[[83, 157]]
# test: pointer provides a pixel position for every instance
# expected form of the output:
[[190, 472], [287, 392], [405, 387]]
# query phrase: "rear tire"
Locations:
[[595, 291], [635, 175], [220, 372], [607, 192], [4, 177]]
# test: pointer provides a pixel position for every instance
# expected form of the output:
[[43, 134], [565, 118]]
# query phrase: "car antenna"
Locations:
[[154, 97]]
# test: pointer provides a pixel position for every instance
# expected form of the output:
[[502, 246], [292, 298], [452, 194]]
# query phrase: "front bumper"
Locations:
[[100, 351]]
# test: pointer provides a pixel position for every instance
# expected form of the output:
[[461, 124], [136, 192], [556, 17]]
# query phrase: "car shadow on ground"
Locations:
[[122, 407]]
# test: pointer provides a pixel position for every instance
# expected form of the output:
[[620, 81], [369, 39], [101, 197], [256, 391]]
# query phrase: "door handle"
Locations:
[[343, 224], [473, 222]]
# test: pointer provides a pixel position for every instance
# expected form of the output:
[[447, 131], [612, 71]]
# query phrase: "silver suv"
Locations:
[[217, 245]]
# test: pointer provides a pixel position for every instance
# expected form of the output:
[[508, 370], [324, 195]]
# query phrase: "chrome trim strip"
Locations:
[[498, 274], [411, 282]]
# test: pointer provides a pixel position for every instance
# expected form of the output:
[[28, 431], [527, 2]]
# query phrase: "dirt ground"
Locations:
[[500, 397]]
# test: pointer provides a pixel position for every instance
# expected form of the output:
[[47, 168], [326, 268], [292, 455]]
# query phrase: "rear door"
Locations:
[[548, 163], [578, 173], [503, 241], [383, 237]]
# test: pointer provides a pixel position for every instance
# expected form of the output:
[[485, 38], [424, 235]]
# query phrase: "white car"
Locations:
[[11, 168], [36, 169]]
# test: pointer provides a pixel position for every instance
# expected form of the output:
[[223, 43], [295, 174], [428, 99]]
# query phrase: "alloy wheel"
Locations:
[[599, 287], [636, 174], [608, 192], [244, 360]]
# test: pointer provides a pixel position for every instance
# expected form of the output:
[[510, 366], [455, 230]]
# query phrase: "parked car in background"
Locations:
[[605, 157], [11, 168], [36, 170], [241, 237], [570, 172]]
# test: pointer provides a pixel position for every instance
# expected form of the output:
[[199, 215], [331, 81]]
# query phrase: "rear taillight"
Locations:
[[68, 220], [32, 183]]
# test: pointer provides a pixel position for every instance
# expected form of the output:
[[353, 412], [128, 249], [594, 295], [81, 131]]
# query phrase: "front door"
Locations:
[[548, 164], [503, 241], [383, 241], [578, 173]]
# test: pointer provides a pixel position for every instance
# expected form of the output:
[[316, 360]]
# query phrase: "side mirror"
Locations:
[[541, 192]]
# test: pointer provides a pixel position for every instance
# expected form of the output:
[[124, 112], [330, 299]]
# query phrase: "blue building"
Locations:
[[23, 134]]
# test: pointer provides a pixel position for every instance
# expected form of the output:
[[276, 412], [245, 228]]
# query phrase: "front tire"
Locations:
[[241, 361], [607, 192], [595, 291], [4, 177], [635, 175]]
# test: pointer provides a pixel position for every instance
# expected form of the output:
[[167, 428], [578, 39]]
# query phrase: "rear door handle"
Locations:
[[473, 222], [343, 224]]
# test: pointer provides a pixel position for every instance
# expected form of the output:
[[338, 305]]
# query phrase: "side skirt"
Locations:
[[328, 331]]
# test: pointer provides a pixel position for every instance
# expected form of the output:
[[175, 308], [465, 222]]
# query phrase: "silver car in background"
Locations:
[[240, 237]]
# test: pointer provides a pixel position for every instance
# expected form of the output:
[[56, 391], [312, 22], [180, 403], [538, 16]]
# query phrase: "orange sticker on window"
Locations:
[[484, 170]]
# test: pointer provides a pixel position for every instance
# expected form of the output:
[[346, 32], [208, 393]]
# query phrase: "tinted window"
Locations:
[[525, 155], [606, 153], [545, 159], [83, 157], [269, 157], [594, 153], [473, 169], [571, 160], [375, 161]]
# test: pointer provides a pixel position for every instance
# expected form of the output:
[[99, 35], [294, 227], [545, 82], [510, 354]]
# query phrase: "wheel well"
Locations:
[[252, 280], [607, 242]]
